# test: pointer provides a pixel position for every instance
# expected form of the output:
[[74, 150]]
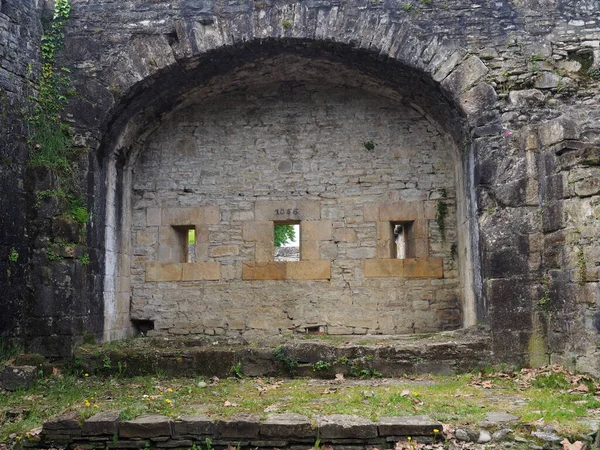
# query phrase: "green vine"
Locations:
[[50, 136]]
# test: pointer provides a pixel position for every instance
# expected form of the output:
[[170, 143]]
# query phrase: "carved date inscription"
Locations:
[[286, 212]]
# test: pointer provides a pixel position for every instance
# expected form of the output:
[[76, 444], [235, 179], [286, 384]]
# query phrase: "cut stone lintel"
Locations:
[[287, 270], [199, 271], [282, 211], [404, 268], [178, 216]]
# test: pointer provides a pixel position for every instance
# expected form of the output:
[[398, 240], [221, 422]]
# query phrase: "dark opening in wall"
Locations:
[[287, 241], [4, 7], [186, 237], [142, 326], [403, 245]]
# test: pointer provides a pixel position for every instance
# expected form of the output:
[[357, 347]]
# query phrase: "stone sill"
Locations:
[[287, 270], [199, 271], [277, 430], [404, 268]]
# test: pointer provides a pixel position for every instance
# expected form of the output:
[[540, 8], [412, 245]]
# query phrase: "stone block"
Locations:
[[153, 217], [292, 210], [18, 377], [371, 212], [310, 250], [196, 425], [178, 216], [164, 271], [284, 270], [308, 270], [69, 421], [146, 426], [465, 75], [202, 251], [201, 271], [404, 268], [557, 130], [182, 216], [344, 235], [285, 426], [103, 423], [384, 231], [224, 250], [384, 249], [146, 237], [264, 251], [409, 426], [342, 426], [239, 426], [258, 231], [274, 270], [316, 230], [361, 253], [400, 211], [478, 99]]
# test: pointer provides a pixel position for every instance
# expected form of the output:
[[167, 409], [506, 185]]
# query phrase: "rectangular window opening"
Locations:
[[186, 240], [403, 244], [287, 241]]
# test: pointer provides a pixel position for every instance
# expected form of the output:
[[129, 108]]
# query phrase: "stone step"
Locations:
[[443, 353], [277, 430]]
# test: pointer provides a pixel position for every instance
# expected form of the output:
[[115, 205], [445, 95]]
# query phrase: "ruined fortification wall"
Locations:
[[512, 85], [20, 31]]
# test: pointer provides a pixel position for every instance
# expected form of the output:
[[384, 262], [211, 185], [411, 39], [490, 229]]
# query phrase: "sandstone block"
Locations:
[[264, 251], [344, 235], [287, 210], [224, 250], [207, 270], [308, 270], [69, 421], [310, 250], [371, 212], [400, 211], [286, 426], [153, 217], [478, 99], [361, 253], [342, 426], [146, 426], [409, 426], [404, 268], [258, 231], [164, 271], [284, 270], [146, 237], [316, 230]]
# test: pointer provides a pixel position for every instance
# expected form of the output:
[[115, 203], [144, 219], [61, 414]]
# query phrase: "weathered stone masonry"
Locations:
[[505, 94], [236, 166]]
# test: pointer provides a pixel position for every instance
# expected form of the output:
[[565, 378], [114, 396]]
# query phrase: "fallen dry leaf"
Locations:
[[339, 377], [404, 393], [577, 445], [228, 403]]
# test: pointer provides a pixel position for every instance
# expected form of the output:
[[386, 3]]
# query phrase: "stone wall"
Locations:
[[239, 163], [511, 88], [20, 32]]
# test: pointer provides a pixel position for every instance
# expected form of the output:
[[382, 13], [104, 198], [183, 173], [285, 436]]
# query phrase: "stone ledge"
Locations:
[[277, 430], [405, 268], [199, 271], [287, 270]]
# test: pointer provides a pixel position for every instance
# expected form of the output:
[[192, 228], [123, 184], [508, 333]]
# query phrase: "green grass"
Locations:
[[450, 399]]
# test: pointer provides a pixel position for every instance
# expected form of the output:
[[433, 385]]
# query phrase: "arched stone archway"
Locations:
[[441, 87]]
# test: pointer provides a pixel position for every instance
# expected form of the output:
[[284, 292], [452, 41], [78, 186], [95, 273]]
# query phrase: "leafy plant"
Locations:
[[84, 259], [544, 301], [287, 24], [581, 267], [237, 370], [283, 234], [321, 365], [13, 256], [52, 255], [288, 362]]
